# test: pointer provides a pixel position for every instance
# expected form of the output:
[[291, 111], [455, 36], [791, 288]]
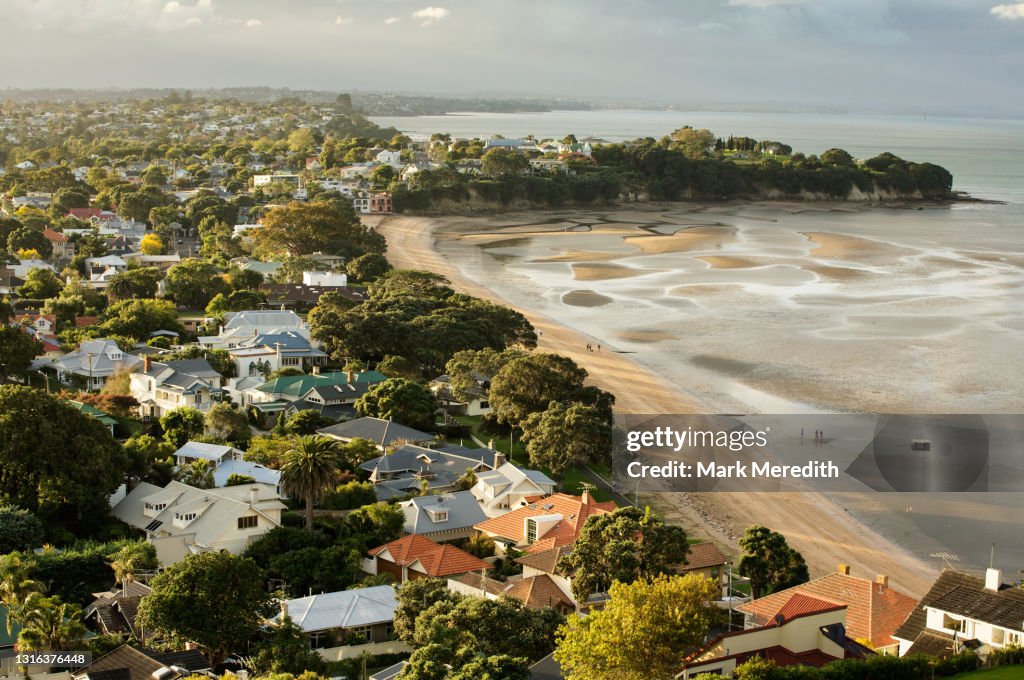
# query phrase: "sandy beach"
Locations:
[[822, 529]]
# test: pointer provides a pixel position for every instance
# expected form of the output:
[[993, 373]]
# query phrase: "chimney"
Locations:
[[499, 459], [993, 579], [284, 609], [254, 495], [350, 376], [147, 362], [490, 444], [585, 497], [316, 369], [844, 569], [882, 580]]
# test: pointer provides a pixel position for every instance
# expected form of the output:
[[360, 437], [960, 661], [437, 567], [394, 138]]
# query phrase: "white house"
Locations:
[[346, 623], [960, 611], [392, 158], [325, 278], [95, 361], [190, 452], [259, 473], [240, 326], [162, 387], [180, 520], [506, 487]]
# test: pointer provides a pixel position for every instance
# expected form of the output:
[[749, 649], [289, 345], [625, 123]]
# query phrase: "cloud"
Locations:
[[391, 20], [342, 21], [1014, 11], [253, 23], [430, 15]]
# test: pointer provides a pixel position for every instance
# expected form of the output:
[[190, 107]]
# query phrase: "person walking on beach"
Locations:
[[599, 348]]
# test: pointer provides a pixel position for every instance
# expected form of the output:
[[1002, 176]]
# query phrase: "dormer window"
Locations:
[[115, 356], [156, 507], [184, 517], [440, 515]]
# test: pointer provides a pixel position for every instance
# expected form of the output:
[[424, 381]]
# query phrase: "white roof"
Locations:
[[214, 452], [343, 609], [261, 474]]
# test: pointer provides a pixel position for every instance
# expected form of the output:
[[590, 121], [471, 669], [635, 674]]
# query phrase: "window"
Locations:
[[441, 516], [531, 531], [156, 506], [950, 623], [998, 636], [318, 639], [1013, 638], [185, 517], [247, 522]]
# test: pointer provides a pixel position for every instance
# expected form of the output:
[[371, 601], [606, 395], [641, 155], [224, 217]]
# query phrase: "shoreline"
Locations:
[[822, 529]]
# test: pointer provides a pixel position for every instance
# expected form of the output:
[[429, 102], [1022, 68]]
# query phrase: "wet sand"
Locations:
[[825, 532]]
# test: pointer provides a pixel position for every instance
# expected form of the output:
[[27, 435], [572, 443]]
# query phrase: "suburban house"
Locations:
[[331, 394], [412, 557], [803, 631], [265, 353], [135, 663], [507, 486], [383, 433], [113, 612], [444, 517], [874, 608], [961, 610], [190, 452], [162, 387], [705, 559], [62, 248], [536, 592], [241, 326], [543, 523], [10, 282], [92, 411], [475, 406], [346, 623], [94, 361], [409, 468], [180, 519], [302, 296], [543, 567], [335, 401]]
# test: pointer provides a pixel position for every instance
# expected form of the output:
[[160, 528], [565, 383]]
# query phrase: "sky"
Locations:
[[960, 56]]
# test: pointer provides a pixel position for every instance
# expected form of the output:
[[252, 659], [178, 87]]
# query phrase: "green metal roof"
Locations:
[[298, 385], [94, 412]]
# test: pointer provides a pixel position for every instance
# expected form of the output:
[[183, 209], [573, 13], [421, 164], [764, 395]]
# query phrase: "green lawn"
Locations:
[[1004, 673]]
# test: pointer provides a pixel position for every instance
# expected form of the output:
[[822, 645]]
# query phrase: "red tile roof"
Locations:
[[537, 592], [574, 511], [54, 236], [86, 321], [702, 556], [802, 605], [435, 559], [84, 214], [874, 611]]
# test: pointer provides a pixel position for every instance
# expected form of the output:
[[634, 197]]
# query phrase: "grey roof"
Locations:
[[462, 508], [205, 451], [285, 340], [402, 471], [966, 595], [262, 319], [379, 431], [546, 669], [343, 609], [391, 672], [100, 363]]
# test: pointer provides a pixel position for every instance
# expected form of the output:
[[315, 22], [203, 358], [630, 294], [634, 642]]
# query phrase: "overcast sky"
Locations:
[[942, 55]]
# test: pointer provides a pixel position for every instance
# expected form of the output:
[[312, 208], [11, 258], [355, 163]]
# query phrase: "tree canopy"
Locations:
[[400, 400], [307, 228], [769, 562]]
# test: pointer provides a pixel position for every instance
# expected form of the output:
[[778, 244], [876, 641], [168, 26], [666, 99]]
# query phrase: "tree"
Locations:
[[286, 650], [16, 584], [769, 562], [310, 469], [17, 350], [561, 437], [382, 176], [227, 603], [642, 632], [624, 546], [193, 283], [27, 238], [198, 473], [226, 421], [400, 400], [56, 462], [378, 523], [306, 422], [467, 369], [41, 284], [367, 267], [151, 244], [301, 140], [130, 559], [19, 530], [496, 667], [67, 198], [47, 624], [504, 163], [181, 425], [141, 282], [694, 143], [527, 385], [138, 318], [305, 228], [838, 157], [415, 597]]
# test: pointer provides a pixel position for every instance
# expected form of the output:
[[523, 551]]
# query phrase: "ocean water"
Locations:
[[902, 310]]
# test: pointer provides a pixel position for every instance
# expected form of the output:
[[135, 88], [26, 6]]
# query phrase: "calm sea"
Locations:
[[983, 155]]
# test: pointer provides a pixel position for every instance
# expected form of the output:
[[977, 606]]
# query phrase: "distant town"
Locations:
[[237, 442]]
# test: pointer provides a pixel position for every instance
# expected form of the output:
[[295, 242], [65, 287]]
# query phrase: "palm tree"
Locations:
[[121, 287], [15, 587], [127, 561], [47, 624], [311, 468], [199, 474]]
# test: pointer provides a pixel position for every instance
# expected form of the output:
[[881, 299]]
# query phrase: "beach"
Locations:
[[874, 534]]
